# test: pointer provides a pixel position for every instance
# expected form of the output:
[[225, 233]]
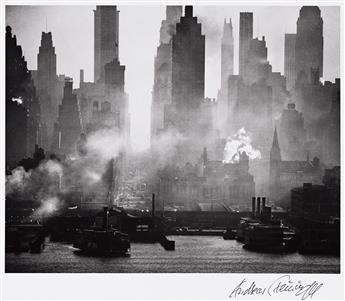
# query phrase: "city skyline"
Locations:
[[139, 82]]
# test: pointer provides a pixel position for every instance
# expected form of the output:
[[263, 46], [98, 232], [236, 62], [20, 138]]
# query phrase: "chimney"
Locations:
[[253, 206], [205, 156], [153, 210], [81, 77], [105, 218], [258, 207], [188, 11], [263, 204]]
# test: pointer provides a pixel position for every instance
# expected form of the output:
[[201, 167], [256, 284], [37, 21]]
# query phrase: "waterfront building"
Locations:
[[285, 175]]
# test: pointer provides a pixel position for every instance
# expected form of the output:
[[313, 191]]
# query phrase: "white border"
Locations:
[[149, 286]]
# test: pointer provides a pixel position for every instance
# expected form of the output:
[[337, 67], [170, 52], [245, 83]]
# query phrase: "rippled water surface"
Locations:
[[193, 254]]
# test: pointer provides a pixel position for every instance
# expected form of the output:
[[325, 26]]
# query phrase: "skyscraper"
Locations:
[[227, 53], [309, 43], [46, 63], [106, 38], [46, 83], [188, 70], [161, 94], [289, 60], [246, 34], [68, 123], [227, 69]]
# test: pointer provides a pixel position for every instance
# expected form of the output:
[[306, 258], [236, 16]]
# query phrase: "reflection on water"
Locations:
[[193, 254]]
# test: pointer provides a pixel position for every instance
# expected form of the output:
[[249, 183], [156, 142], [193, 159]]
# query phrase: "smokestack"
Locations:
[[153, 210], [258, 207], [81, 77], [105, 218], [263, 204], [253, 207], [188, 11], [205, 156]]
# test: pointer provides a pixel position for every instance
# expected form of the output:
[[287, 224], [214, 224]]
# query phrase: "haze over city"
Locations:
[[72, 32]]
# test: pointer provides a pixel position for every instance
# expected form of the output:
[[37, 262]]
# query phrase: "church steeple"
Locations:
[[275, 149]]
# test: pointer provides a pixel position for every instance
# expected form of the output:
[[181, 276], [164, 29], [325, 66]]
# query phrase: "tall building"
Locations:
[[104, 103], [46, 81], [188, 71], [309, 43], [23, 126], [246, 34], [289, 60], [161, 94], [46, 63], [68, 126], [292, 133], [106, 38], [227, 54], [257, 69], [331, 134], [168, 26]]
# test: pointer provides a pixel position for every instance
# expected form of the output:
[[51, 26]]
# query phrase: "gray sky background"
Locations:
[[72, 29]]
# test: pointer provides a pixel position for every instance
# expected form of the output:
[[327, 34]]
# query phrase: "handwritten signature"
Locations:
[[283, 284]]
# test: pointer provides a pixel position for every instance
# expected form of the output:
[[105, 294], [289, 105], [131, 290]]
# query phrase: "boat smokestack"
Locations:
[[258, 200], [253, 206], [263, 204], [105, 218], [153, 210]]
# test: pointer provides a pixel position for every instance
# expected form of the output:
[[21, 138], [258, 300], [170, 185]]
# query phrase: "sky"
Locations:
[[72, 30]]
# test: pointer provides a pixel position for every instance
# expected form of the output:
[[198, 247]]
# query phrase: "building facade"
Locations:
[[210, 182], [289, 60], [106, 38], [161, 94], [309, 43], [246, 35], [285, 175], [188, 71]]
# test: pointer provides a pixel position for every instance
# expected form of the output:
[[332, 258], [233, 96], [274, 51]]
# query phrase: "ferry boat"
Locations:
[[261, 233], [102, 240]]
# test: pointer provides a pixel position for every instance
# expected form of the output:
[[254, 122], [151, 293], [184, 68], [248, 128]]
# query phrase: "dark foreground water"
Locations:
[[193, 254]]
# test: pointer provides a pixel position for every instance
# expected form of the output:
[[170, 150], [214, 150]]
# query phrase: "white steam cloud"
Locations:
[[240, 142], [50, 184]]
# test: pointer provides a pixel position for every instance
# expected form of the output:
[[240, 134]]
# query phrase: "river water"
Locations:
[[193, 254]]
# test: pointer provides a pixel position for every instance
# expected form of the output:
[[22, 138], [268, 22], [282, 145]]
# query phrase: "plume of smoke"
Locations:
[[240, 142], [51, 182], [165, 147], [48, 207], [40, 185], [105, 144]]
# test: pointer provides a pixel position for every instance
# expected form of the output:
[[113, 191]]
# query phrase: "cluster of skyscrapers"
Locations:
[[64, 113], [295, 110]]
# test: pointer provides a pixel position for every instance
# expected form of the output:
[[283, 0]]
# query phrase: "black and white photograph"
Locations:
[[180, 139]]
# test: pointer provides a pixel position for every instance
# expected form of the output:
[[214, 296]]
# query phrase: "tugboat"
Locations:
[[265, 234], [102, 241]]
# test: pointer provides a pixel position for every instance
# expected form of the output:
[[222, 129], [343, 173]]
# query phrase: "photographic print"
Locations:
[[174, 138]]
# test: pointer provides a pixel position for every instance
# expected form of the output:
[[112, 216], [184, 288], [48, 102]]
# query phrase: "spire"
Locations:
[[275, 150], [230, 23], [307, 156], [275, 138]]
